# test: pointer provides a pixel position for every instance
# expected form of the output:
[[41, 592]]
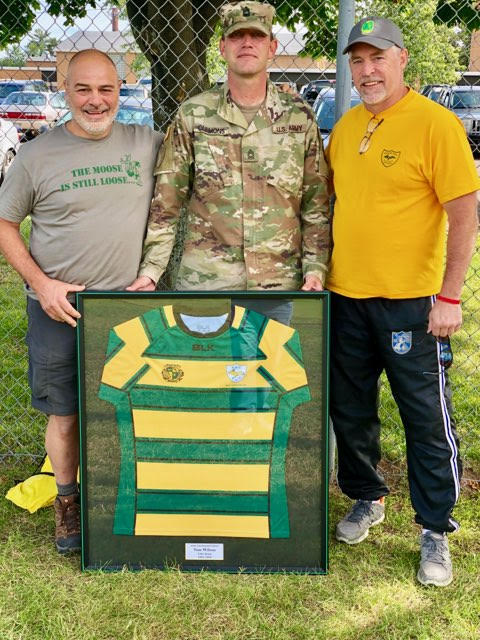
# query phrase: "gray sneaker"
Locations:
[[435, 563], [355, 525]]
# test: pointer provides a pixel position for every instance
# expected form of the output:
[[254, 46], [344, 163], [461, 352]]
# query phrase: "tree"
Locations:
[[40, 44], [433, 54], [13, 56], [458, 12], [174, 35]]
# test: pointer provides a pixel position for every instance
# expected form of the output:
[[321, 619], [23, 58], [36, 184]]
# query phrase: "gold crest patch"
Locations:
[[389, 157], [172, 373]]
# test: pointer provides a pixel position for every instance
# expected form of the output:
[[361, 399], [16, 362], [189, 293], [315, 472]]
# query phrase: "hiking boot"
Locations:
[[435, 563], [67, 523], [355, 525]]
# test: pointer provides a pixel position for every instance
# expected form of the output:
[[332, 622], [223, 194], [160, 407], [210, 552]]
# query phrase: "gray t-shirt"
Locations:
[[88, 201]]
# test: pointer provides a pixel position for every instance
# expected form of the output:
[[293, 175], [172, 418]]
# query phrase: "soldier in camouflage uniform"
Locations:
[[248, 162]]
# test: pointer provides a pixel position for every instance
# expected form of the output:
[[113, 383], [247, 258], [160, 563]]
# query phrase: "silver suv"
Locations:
[[465, 102]]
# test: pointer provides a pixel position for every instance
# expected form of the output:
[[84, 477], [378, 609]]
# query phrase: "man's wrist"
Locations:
[[149, 272], [448, 300]]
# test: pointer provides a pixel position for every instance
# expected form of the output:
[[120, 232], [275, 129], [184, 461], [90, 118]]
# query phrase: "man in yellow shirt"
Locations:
[[401, 169]]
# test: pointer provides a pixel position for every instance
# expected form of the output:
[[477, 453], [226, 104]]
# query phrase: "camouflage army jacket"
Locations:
[[256, 195]]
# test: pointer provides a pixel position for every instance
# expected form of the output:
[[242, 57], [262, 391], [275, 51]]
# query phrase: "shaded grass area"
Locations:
[[370, 593]]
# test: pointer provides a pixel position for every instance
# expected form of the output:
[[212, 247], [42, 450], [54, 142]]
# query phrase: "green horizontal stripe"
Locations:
[[209, 451], [201, 503], [190, 400]]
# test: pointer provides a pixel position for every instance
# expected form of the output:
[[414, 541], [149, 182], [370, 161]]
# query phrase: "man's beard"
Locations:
[[94, 127]]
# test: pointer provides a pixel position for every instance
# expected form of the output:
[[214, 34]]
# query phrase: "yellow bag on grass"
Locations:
[[40, 490]]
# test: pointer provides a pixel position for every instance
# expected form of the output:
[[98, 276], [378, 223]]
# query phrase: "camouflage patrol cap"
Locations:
[[247, 15]]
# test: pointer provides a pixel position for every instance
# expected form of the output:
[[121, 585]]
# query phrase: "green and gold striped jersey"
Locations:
[[203, 421]]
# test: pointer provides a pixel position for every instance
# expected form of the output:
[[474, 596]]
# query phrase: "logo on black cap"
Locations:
[[367, 27]]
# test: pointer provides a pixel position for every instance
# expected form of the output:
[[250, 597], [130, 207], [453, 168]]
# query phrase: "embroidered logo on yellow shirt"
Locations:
[[389, 157]]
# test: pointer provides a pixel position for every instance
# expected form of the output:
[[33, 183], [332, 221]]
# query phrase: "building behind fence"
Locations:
[[165, 56]]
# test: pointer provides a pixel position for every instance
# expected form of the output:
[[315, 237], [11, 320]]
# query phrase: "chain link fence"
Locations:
[[167, 50]]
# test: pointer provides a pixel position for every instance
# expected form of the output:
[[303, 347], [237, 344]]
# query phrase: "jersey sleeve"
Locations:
[[124, 361], [281, 345]]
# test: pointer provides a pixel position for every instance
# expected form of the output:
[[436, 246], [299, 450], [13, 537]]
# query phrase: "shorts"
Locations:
[[52, 363]]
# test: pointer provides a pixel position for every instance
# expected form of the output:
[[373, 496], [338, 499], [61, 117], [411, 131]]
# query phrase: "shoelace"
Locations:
[[360, 509], [435, 550]]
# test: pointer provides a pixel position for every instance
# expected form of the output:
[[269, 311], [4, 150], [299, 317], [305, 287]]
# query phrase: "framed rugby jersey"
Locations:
[[204, 423]]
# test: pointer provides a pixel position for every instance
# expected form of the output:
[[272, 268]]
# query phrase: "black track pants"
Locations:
[[368, 336]]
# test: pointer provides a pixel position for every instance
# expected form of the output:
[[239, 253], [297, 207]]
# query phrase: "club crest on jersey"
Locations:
[[236, 372], [401, 341], [389, 157], [172, 373]]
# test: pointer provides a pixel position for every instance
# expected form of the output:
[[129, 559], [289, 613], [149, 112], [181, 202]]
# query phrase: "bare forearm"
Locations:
[[446, 317], [17, 255], [462, 234], [52, 294]]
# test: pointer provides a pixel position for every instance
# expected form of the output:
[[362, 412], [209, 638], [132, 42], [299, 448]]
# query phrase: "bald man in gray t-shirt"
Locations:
[[87, 187]]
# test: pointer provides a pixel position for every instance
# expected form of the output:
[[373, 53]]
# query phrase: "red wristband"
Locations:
[[449, 300]]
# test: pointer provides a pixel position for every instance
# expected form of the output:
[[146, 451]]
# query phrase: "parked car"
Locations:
[[138, 91], [326, 114], [465, 102], [9, 144], [322, 92], [33, 112], [433, 91], [309, 91], [129, 112], [9, 86]]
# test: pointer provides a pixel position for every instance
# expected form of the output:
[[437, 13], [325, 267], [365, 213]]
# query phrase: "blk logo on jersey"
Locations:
[[203, 347], [401, 341], [389, 157], [236, 372]]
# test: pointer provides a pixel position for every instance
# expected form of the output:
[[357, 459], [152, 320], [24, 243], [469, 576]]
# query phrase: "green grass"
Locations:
[[370, 593]]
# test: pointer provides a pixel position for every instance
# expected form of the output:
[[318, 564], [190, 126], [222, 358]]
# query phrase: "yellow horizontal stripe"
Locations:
[[164, 524], [208, 426], [202, 477], [203, 374]]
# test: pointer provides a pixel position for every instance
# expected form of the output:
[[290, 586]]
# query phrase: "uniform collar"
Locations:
[[271, 111]]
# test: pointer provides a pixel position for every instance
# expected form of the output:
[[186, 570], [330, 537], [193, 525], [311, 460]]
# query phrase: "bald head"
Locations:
[[89, 56], [92, 91]]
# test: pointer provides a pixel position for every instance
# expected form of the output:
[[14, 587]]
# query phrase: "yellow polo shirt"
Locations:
[[389, 222]]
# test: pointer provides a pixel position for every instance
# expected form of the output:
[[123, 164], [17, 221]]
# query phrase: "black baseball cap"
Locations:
[[379, 32]]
